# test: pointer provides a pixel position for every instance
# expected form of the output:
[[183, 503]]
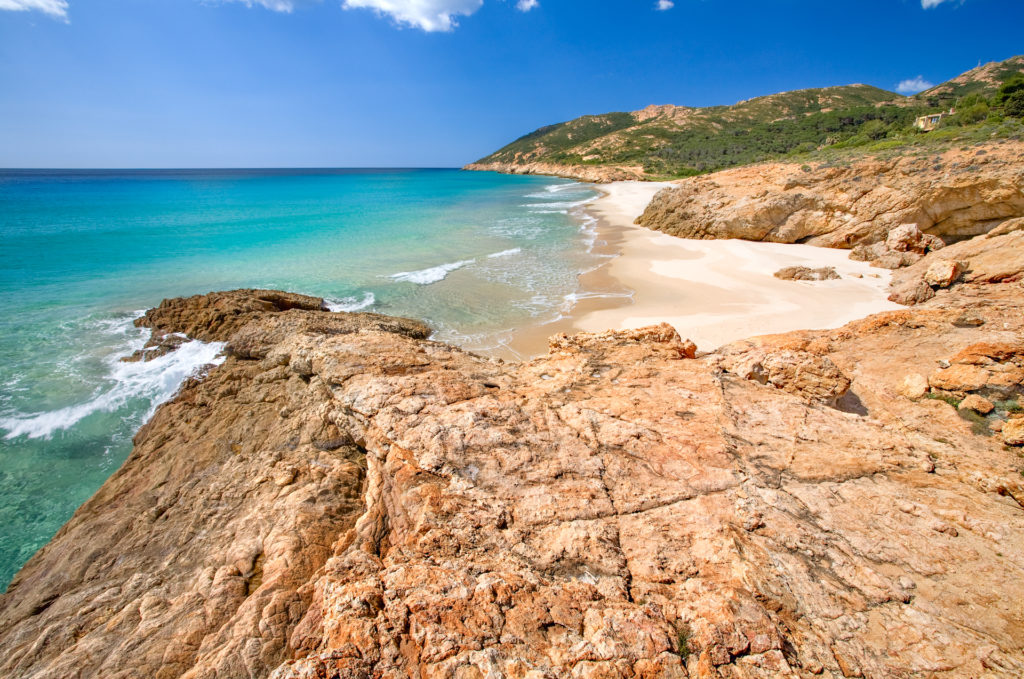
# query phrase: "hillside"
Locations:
[[675, 141], [983, 80]]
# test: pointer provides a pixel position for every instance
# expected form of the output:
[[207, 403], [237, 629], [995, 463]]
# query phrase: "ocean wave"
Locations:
[[559, 204], [573, 298], [350, 303], [554, 188], [156, 380], [505, 253], [431, 275]]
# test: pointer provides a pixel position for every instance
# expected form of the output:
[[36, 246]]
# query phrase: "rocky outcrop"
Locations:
[[903, 246], [343, 498], [996, 257], [195, 558], [952, 195], [598, 174], [805, 273]]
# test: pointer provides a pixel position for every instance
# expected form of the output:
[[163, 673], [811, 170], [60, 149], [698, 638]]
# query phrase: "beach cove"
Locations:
[[712, 291]]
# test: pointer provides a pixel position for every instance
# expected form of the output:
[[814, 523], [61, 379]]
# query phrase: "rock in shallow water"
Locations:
[[804, 273]]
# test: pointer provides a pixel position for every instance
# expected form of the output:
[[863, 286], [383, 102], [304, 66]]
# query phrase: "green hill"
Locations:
[[983, 80], [678, 140]]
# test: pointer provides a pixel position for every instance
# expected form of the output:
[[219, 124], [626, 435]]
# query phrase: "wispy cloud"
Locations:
[[428, 15], [928, 4], [286, 6], [913, 85], [55, 8], [664, 4]]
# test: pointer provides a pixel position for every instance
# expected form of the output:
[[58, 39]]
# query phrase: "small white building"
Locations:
[[932, 120]]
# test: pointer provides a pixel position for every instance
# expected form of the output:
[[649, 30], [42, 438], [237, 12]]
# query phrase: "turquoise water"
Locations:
[[84, 253]]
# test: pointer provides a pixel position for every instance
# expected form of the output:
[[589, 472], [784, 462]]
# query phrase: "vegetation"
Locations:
[[1010, 406], [951, 400], [820, 124], [683, 635]]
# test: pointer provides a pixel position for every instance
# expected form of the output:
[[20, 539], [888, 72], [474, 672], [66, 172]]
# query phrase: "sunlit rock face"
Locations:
[[345, 498], [950, 195]]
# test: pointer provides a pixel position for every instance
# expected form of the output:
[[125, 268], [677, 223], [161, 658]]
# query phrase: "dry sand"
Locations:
[[712, 291]]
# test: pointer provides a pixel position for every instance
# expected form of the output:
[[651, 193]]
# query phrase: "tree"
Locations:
[[1008, 89], [1014, 104], [873, 129]]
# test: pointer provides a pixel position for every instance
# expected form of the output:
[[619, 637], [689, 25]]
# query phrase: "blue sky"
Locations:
[[189, 83]]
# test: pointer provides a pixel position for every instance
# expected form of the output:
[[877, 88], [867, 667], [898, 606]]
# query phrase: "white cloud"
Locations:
[[527, 5], [929, 4], [286, 6], [429, 15], [55, 8], [664, 4], [913, 85]]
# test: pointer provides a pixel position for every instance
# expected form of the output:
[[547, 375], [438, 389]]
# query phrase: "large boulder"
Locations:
[[950, 196], [805, 273]]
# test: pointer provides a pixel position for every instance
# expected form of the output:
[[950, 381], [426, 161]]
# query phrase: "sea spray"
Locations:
[[153, 381]]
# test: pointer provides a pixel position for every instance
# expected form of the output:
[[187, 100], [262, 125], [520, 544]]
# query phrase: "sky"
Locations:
[[431, 83]]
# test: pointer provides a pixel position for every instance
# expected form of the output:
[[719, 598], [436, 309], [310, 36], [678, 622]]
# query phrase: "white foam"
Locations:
[[431, 275], [350, 303], [552, 189], [505, 253], [156, 380], [559, 204]]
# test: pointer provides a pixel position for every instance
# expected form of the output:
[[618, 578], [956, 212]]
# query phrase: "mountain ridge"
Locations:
[[667, 140]]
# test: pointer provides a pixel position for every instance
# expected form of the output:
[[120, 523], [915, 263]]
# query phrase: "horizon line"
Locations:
[[239, 167]]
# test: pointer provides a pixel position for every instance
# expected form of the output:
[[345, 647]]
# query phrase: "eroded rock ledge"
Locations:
[[952, 195], [344, 498]]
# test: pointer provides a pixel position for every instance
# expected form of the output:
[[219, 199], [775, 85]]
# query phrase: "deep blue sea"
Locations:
[[84, 253]]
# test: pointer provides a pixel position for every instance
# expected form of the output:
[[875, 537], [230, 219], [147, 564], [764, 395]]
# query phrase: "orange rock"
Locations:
[[1013, 432], [343, 498]]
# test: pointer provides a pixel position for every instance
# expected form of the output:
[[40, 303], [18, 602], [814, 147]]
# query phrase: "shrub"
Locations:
[[1014, 105], [683, 635], [970, 100], [873, 129], [1008, 89], [974, 113]]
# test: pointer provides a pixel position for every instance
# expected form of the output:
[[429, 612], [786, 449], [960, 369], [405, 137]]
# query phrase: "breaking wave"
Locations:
[[431, 275]]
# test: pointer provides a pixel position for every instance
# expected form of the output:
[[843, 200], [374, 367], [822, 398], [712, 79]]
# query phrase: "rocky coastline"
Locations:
[[343, 497], [597, 174]]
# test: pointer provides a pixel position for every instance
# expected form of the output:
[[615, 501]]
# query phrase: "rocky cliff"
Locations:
[[344, 498], [598, 174], [953, 195]]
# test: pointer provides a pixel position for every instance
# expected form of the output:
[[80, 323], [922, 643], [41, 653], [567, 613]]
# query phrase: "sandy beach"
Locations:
[[711, 291]]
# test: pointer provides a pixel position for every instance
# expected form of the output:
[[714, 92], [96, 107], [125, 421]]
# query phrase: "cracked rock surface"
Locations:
[[344, 498]]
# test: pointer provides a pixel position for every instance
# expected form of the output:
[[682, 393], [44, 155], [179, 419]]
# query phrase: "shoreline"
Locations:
[[712, 291]]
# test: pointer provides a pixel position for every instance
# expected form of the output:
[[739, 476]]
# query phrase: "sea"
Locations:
[[84, 253]]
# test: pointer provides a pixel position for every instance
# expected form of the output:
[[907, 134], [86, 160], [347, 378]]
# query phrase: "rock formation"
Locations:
[[344, 498], [598, 174], [805, 273], [995, 257], [952, 195]]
